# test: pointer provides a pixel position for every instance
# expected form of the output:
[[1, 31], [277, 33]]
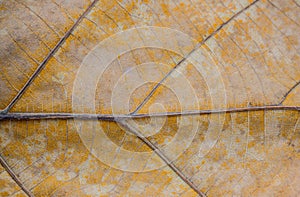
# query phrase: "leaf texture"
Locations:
[[223, 105]]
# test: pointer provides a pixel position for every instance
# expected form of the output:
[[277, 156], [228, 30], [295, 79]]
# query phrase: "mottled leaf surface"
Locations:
[[243, 55]]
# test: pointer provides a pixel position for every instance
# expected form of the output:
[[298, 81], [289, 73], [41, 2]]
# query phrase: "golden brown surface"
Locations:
[[242, 54]]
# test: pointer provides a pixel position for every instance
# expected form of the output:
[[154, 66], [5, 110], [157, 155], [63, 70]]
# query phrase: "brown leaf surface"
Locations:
[[243, 55], [29, 31]]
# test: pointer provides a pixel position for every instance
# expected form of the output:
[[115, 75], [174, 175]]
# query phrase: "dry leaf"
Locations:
[[150, 98]]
